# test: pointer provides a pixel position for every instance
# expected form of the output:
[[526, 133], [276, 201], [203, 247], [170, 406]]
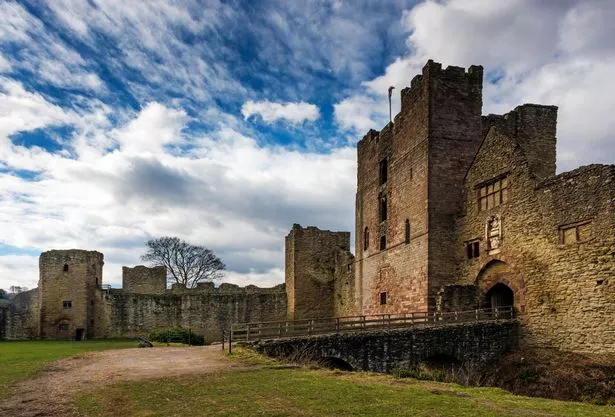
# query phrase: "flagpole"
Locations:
[[390, 111]]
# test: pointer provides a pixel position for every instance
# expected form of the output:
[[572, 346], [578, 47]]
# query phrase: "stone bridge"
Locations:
[[385, 350]]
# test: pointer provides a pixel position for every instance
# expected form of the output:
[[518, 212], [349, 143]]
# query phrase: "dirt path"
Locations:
[[49, 393]]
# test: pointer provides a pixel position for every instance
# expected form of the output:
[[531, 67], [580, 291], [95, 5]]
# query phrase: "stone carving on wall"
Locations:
[[493, 234]]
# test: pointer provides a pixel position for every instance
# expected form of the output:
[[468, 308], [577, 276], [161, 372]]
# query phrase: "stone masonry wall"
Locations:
[[563, 293], [205, 311], [68, 276], [144, 280], [319, 267], [385, 351], [400, 269]]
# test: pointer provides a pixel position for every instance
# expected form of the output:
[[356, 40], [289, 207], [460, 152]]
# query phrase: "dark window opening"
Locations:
[[473, 249], [383, 242], [92, 302], [366, 239], [600, 282], [67, 304], [407, 231], [65, 267], [383, 171], [63, 327], [383, 298], [383, 209]]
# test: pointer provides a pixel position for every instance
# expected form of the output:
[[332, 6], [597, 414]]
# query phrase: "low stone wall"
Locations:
[[384, 351]]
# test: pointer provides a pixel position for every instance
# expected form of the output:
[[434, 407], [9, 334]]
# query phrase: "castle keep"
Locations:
[[458, 211]]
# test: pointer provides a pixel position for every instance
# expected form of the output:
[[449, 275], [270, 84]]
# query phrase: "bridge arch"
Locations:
[[334, 362], [498, 285]]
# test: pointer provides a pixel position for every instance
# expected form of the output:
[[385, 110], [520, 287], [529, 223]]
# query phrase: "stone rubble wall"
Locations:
[[144, 280], [319, 273], [564, 293], [205, 312]]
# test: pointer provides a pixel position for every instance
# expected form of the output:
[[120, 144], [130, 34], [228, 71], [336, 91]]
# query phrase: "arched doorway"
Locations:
[[499, 287], [500, 295]]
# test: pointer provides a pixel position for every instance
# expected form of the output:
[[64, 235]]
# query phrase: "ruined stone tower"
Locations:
[[408, 190], [68, 283], [319, 273]]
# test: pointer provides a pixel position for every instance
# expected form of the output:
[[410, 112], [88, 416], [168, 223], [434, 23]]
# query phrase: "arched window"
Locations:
[[65, 267], [407, 231], [366, 239]]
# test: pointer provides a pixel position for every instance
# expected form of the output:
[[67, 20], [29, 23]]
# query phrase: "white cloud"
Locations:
[[360, 112], [42, 52], [229, 193], [270, 112], [540, 52]]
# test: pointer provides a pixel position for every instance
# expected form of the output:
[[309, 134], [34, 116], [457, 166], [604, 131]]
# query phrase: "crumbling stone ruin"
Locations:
[[71, 302], [458, 211], [454, 211]]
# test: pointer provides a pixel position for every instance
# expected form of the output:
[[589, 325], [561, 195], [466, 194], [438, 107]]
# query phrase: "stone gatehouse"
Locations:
[[456, 210]]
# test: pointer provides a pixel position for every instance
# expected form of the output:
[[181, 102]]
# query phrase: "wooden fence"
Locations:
[[247, 332]]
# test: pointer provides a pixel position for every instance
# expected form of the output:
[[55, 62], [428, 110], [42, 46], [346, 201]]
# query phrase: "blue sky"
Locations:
[[225, 122]]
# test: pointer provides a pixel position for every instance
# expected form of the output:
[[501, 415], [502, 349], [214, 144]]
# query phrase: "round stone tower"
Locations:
[[68, 282]]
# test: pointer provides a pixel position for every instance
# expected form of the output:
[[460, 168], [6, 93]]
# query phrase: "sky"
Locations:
[[225, 122]]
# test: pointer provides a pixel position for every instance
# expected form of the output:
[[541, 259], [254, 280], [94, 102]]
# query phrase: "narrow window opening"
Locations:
[[383, 209], [65, 267], [67, 304], [63, 327], [383, 242], [366, 239], [383, 171], [407, 231], [473, 249], [383, 298]]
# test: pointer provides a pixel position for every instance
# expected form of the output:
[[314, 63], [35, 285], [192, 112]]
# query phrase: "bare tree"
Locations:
[[14, 289], [186, 264]]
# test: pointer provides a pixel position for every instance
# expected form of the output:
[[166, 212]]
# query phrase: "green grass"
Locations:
[[20, 360], [269, 391]]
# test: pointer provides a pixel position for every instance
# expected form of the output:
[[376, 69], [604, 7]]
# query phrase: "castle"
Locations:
[[71, 302], [458, 211], [454, 211]]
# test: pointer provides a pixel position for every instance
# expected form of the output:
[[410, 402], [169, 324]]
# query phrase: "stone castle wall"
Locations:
[[144, 280], [19, 317], [67, 287], [205, 312], [319, 273], [563, 291], [125, 313]]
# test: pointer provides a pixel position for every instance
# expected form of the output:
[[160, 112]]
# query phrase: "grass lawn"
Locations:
[[279, 391], [20, 360]]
